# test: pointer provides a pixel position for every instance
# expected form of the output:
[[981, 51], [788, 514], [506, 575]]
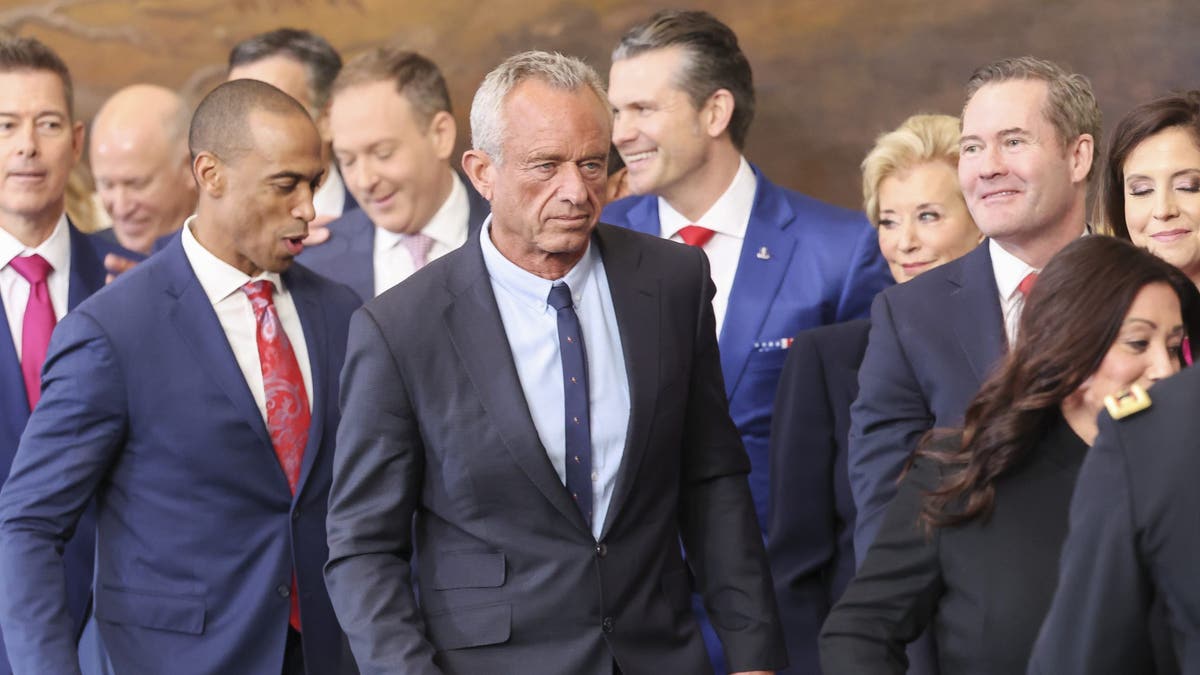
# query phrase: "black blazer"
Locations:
[[810, 540], [984, 586], [436, 427]]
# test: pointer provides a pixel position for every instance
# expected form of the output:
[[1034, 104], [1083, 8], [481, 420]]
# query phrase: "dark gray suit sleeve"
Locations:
[[71, 440], [1097, 621], [718, 524], [377, 476], [894, 594], [886, 421]]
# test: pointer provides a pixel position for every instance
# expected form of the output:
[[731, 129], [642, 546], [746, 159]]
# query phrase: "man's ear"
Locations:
[[77, 138], [1081, 154], [480, 168], [717, 112], [209, 173], [443, 131]]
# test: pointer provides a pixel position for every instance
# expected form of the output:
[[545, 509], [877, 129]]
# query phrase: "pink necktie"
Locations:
[[288, 416], [418, 246], [694, 235], [38, 323]]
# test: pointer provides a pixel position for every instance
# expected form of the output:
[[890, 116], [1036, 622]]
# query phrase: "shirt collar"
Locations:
[[56, 250], [729, 215], [448, 226], [1008, 268], [218, 278], [527, 287]]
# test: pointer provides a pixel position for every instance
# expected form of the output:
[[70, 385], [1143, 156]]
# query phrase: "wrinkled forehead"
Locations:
[[539, 112]]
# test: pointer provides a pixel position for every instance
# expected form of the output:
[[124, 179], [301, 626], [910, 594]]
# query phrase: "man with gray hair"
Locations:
[[577, 435]]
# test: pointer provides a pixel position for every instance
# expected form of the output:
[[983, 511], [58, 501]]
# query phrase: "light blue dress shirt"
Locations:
[[531, 326]]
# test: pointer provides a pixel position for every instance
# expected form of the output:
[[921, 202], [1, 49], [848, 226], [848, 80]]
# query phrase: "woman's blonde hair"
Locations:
[[920, 139]]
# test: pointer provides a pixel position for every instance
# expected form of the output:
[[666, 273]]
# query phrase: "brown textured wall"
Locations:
[[830, 74]]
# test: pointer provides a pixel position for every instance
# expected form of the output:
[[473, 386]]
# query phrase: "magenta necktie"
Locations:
[[38, 323]]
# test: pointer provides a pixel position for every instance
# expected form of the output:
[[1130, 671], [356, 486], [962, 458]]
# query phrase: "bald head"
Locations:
[[141, 164], [220, 127]]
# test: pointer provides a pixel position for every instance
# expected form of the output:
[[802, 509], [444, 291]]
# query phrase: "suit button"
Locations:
[[283, 590], [601, 549], [607, 624]]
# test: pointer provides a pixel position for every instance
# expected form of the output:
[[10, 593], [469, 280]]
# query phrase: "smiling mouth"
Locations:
[[1170, 235], [639, 156], [1000, 194]]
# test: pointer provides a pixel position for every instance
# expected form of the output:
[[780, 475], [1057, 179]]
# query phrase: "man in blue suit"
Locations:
[[1029, 130], [40, 144], [393, 134], [684, 99], [196, 399]]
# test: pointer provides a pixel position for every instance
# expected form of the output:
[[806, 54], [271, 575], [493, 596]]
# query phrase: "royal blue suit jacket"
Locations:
[[810, 538], [933, 341], [145, 408], [87, 276], [823, 267], [349, 254]]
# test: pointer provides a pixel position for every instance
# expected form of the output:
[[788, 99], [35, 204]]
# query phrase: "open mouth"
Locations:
[[1000, 194], [295, 244], [637, 157]]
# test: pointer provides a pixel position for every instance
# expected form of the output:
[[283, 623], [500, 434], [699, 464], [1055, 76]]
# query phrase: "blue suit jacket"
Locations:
[[824, 268], [809, 542], [87, 276], [349, 255], [933, 342], [144, 406]]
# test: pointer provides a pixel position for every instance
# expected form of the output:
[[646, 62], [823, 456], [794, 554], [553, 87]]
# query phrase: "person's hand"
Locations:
[[116, 265], [318, 230]]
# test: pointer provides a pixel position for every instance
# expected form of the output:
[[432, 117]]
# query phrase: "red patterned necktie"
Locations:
[[694, 235], [288, 415], [38, 323]]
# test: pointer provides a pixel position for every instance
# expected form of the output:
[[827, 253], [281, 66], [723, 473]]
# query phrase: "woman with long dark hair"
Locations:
[[970, 543]]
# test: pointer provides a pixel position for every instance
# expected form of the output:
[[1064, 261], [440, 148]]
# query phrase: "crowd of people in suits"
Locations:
[[602, 398]]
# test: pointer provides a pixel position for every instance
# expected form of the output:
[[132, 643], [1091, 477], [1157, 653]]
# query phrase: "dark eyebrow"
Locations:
[[1013, 130]]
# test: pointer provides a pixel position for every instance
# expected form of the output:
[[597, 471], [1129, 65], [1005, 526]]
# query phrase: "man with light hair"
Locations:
[[578, 434], [142, 166]]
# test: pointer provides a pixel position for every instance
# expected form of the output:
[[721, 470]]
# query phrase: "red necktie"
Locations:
[[1026, 284], [38, 323], [288, 416], [694, 235]]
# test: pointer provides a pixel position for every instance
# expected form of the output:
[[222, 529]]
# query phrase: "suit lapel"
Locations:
[[477, 334], [756, 281], [360, 270], [196, 322], [643, 216], [14, 403], [312, 321], [87, 269], [636, 301], [978, 321]]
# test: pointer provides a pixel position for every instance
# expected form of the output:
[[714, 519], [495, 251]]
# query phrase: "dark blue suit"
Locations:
[[349, 255], [145, 407], [933, 342], [809, 540], [824, 267], [87, 276]]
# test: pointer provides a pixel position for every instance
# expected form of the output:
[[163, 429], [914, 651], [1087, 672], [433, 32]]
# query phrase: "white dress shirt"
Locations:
[[222, 283], [447, 228], [330, 198], [1009, 271], [14, 290], [728, 218], [531, 326]]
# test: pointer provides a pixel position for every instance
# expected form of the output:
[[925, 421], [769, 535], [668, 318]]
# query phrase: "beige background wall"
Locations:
[[830, 74]]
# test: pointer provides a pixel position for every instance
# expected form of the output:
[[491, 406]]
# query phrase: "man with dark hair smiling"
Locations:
[[197, 400]]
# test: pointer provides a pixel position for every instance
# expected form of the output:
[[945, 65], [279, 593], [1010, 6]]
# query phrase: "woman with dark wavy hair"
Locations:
[[970, 543]]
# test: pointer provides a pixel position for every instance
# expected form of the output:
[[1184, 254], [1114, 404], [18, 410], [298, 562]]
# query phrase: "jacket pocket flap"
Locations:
[[468, 570], [181, 614], [469, 627]]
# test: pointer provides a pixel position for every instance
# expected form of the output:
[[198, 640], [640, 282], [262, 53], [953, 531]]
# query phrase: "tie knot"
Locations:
[[1026, 284], [33, 268], [694, 235], [560, 297], [418, 246], [260, 293]]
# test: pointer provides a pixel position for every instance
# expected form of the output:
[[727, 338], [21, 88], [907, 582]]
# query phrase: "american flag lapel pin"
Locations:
[[764, 254]]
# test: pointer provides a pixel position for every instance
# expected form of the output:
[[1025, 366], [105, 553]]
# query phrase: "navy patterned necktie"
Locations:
[[575, 394]]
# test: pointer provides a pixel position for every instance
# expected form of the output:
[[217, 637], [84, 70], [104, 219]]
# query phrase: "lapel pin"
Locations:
[[764, 254]]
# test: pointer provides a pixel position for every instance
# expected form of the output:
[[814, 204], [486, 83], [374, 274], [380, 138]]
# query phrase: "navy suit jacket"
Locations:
[[824, 267], [349, 254], [437, 428], [809, 541], [145, 407], [933, 342], [87, 276]]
